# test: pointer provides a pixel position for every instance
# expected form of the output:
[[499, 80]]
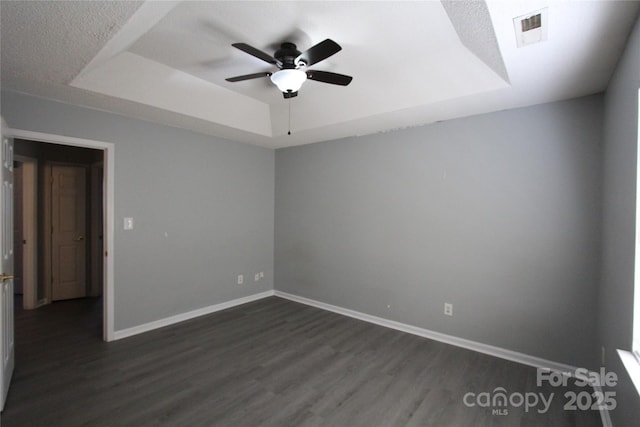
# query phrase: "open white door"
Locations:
[[6, 271]]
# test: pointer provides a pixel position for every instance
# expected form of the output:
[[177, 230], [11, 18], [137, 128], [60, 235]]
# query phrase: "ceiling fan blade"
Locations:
[[248, 77], [257, 53], [327, 77], [319, 52]]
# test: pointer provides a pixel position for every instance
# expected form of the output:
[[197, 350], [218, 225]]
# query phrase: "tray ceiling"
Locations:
[[413, 62]]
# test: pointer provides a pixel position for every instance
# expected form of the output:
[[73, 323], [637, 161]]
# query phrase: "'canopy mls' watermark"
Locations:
[[499, 400]]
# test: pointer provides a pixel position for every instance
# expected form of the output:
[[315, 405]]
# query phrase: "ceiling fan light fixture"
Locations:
[[292, 64], [289, 80]]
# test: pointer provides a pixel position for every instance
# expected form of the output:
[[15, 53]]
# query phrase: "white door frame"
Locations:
[[108, 215]]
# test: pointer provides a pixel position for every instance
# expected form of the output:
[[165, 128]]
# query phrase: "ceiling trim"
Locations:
[[472, 22], [145, 18]]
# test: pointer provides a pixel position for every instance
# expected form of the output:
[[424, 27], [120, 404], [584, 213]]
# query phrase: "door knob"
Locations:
[[5, 277], [79, 239]]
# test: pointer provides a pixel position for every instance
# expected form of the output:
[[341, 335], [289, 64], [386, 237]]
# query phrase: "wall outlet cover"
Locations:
[[448, 309]]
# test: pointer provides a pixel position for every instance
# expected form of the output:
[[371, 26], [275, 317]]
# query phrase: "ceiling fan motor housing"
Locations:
[[287, 54]]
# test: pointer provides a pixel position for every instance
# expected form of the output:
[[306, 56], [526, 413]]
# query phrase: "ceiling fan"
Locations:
[[292, 66]]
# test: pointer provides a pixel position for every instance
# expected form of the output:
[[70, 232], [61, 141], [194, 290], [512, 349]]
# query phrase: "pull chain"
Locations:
[[289, 132]]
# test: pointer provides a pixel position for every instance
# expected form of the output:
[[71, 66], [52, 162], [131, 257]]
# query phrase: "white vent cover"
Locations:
[[531, 28]]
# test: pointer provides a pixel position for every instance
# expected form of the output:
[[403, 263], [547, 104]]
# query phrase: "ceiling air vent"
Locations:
[[531, 23], [531, 28]]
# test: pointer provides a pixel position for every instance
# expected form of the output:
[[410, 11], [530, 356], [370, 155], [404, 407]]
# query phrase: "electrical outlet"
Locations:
[[448, 309], [240, 279], [256, 277], [262, 274]]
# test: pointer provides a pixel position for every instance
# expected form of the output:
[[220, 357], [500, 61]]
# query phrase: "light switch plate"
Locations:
[[128, 223]]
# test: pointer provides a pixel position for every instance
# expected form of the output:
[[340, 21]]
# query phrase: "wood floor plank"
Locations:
[[267, 363]]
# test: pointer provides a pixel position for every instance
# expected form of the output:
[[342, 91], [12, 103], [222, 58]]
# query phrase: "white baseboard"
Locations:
[[146, 327], [491, 350], [502, 353]]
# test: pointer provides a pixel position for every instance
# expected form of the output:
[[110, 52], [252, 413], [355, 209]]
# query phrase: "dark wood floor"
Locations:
[[268, 363]]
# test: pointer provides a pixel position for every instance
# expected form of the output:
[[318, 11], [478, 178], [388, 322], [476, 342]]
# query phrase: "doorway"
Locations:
[[66, 204], [105, 169]]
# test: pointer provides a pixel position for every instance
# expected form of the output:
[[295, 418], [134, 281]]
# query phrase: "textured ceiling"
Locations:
[[413, 62], [37, 45]]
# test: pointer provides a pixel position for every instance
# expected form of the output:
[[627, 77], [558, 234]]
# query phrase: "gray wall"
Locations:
[[615, 298], [213, 198], [498, 214]]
